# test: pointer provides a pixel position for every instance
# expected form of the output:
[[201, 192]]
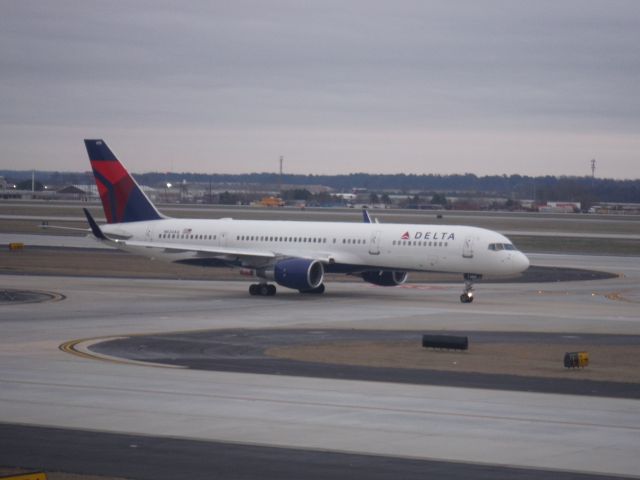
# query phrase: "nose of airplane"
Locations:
[[520, 261]]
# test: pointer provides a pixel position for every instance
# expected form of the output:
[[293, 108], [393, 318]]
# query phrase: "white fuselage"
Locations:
[[355, 246]]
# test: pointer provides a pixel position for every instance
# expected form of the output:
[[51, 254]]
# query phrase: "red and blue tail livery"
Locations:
[[122, 198]]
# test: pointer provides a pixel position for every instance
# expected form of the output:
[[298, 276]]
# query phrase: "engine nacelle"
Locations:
[[299, 273], [385, 278]]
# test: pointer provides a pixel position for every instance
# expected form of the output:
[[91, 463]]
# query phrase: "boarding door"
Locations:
[[467, 248], [148, 235], [222, 239], [374, 243]]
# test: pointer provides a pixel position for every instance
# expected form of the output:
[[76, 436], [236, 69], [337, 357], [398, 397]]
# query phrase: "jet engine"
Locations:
[[385, 278], [299, 273]]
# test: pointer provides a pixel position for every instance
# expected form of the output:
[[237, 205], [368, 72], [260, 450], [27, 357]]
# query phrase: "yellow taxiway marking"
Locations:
[[80, 348], [26, 476]]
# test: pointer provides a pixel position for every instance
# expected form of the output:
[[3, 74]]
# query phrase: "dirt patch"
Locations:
[[615, 363], [103, 263]]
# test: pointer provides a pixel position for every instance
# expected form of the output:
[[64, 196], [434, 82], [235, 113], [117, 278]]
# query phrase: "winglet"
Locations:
[[95, 229], [365, 216]]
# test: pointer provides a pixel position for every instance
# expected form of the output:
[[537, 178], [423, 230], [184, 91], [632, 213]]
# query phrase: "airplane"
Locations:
[[293, 254]]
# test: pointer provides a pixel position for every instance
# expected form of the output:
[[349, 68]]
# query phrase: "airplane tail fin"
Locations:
[[122, 198]]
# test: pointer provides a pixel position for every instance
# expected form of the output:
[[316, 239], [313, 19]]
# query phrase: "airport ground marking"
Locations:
[[80, 348]]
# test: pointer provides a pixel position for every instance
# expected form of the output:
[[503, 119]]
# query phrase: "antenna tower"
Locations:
[[593, 168]]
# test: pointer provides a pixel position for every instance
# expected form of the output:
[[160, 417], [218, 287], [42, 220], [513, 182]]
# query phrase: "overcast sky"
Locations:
[[486, 87]]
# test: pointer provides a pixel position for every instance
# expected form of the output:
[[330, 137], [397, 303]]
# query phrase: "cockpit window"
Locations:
[[501, 246]]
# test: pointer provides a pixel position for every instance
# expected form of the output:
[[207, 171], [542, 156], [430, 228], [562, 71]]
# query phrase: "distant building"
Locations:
[[72, 192], [3, 184], [613, 208], [560, 207]]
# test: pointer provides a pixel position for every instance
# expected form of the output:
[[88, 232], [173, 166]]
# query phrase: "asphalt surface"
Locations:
[[244, 351], [468, 432], [149, 458]]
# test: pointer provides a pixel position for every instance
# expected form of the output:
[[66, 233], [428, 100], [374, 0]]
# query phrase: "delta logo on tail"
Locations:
[[122, 198]]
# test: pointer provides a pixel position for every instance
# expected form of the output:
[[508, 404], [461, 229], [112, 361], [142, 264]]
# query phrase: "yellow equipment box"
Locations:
[[576, 359]]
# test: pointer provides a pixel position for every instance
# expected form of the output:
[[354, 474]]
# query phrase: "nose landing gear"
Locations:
[[466, 297], [467, 294]]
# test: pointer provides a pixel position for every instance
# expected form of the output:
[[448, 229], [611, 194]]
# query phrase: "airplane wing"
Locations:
[[198, 249], [246, 255], [367, 218]]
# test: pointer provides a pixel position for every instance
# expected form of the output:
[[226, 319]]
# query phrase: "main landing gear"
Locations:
[[262, 289], [269, 290], [467, 294]]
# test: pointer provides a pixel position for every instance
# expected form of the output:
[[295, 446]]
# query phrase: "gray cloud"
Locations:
[[486, 87]]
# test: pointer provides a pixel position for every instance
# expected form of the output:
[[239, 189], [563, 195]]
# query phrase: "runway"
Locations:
[[476, 429]]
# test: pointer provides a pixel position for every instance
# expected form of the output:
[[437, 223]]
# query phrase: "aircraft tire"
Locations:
[[263, 289], [465, 298]]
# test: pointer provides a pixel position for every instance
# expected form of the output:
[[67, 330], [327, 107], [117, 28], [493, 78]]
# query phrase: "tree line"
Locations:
[[543, 188]]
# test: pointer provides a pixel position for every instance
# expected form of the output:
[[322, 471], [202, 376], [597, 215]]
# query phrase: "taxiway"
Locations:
[[42, 386]]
